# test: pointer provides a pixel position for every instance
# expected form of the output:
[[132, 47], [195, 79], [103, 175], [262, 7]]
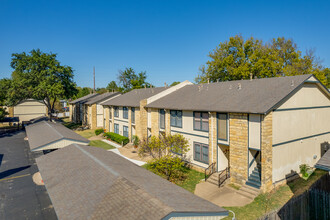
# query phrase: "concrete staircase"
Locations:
[[248, 191], [213, 179], [254, 179]]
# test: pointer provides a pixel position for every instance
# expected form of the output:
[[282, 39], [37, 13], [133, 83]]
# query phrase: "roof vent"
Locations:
[[208, 80], [292, 83], [165, 84], [251, 76], [230, 86], [217, 80], [239, 86]]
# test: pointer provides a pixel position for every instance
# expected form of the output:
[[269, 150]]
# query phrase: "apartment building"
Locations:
[[76, 108], [93, 109], [263, 129], [126, 115]]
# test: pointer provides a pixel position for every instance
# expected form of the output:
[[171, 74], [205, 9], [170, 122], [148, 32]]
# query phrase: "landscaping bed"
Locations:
[[188, 181]]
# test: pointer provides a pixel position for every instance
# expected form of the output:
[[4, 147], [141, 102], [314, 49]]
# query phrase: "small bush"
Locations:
[[303, 169], [116, 138], [99, 131]]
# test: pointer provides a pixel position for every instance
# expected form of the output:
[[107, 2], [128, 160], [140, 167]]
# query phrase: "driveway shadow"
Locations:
[[12, 171]]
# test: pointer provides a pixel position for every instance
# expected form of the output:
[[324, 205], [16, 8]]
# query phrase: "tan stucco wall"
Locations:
[[29, 109], [292, 131]]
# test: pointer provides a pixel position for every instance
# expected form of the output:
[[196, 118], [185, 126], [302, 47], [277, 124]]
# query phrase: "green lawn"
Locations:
[[267, 202], [101, 144], [86, 133], [189, 183]]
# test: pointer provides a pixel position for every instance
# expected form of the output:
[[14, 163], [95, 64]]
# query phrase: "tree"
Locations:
[[175, 83], [101, 90], [128, 80], [82, 92], [4, 87], [40, 76], [165, 150], [112, 86], [238, 59]]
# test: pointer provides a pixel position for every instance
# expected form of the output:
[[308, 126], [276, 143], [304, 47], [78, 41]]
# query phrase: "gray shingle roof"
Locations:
[[84, 98], [244, 96], [133, 98], [324, 162], [46, 132], [90, 183], [101, 97]]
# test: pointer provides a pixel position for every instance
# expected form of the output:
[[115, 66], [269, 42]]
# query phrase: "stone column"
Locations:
[[11, 111], [238, 156], [167, 122], [213, 141], [142, 121], [267, 152], [70, 112], [94, 116], [154, 122]]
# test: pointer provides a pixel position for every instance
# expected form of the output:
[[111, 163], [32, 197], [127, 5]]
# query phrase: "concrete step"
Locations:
[[248, 191], [253, 184], [213, 181], [255, 178]]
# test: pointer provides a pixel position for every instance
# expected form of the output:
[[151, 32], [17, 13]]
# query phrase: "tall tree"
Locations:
[[40, 76], [112, 86], [4, 87], [82, 92], [238, 59], [129, 80]]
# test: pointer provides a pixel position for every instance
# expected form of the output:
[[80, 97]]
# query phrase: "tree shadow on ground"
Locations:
[[12, 171]]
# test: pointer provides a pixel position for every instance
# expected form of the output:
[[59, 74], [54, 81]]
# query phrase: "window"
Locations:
[[125, 112], [222, 126], [162, 118], [116, 112], [125, 131], [201, 153], [201, 121], [133, 115], [176, 118], [116, 128]]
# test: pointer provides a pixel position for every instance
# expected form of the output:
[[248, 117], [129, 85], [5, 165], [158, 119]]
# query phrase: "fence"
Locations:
[[313, 204]]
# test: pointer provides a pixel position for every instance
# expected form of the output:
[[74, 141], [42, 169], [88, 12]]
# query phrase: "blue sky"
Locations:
[[168, 39]]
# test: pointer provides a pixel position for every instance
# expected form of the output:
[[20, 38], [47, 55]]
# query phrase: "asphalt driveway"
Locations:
[[20, 197]]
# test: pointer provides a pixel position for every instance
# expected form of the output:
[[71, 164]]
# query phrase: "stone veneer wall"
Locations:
[[154, 122], [213, 141], [266, 152], [70, 112], [142, 121], [238, 156], [167, 122]]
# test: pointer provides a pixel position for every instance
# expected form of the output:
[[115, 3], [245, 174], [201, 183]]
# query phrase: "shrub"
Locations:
[[135, 140], [303, 169], [99, 131], [116, 138]]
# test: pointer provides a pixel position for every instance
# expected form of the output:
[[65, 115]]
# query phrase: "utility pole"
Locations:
[[94, 78]]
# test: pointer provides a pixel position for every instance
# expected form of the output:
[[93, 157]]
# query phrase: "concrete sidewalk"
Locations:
[[223, 196], [112, 143], [137, 162]]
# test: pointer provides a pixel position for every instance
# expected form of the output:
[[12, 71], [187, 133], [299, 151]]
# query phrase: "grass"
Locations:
[[101, 144], [86, 133], [274, 200], [192, 177], [67, 123]]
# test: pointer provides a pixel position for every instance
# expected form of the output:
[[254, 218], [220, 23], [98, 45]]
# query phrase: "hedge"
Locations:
[[99, 131], [116, 138]]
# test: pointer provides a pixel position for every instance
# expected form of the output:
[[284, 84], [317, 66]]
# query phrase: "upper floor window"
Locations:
[[116, 112], [133, 115], [222, 126], [176, 118], [201, 121], [125, 112], [162, 118]]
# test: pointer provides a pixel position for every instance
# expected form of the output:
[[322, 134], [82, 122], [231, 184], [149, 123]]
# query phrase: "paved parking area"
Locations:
[[20, 197]]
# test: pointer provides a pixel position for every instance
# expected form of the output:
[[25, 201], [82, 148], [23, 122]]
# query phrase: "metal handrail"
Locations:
[[211, 169], [227, 170]]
